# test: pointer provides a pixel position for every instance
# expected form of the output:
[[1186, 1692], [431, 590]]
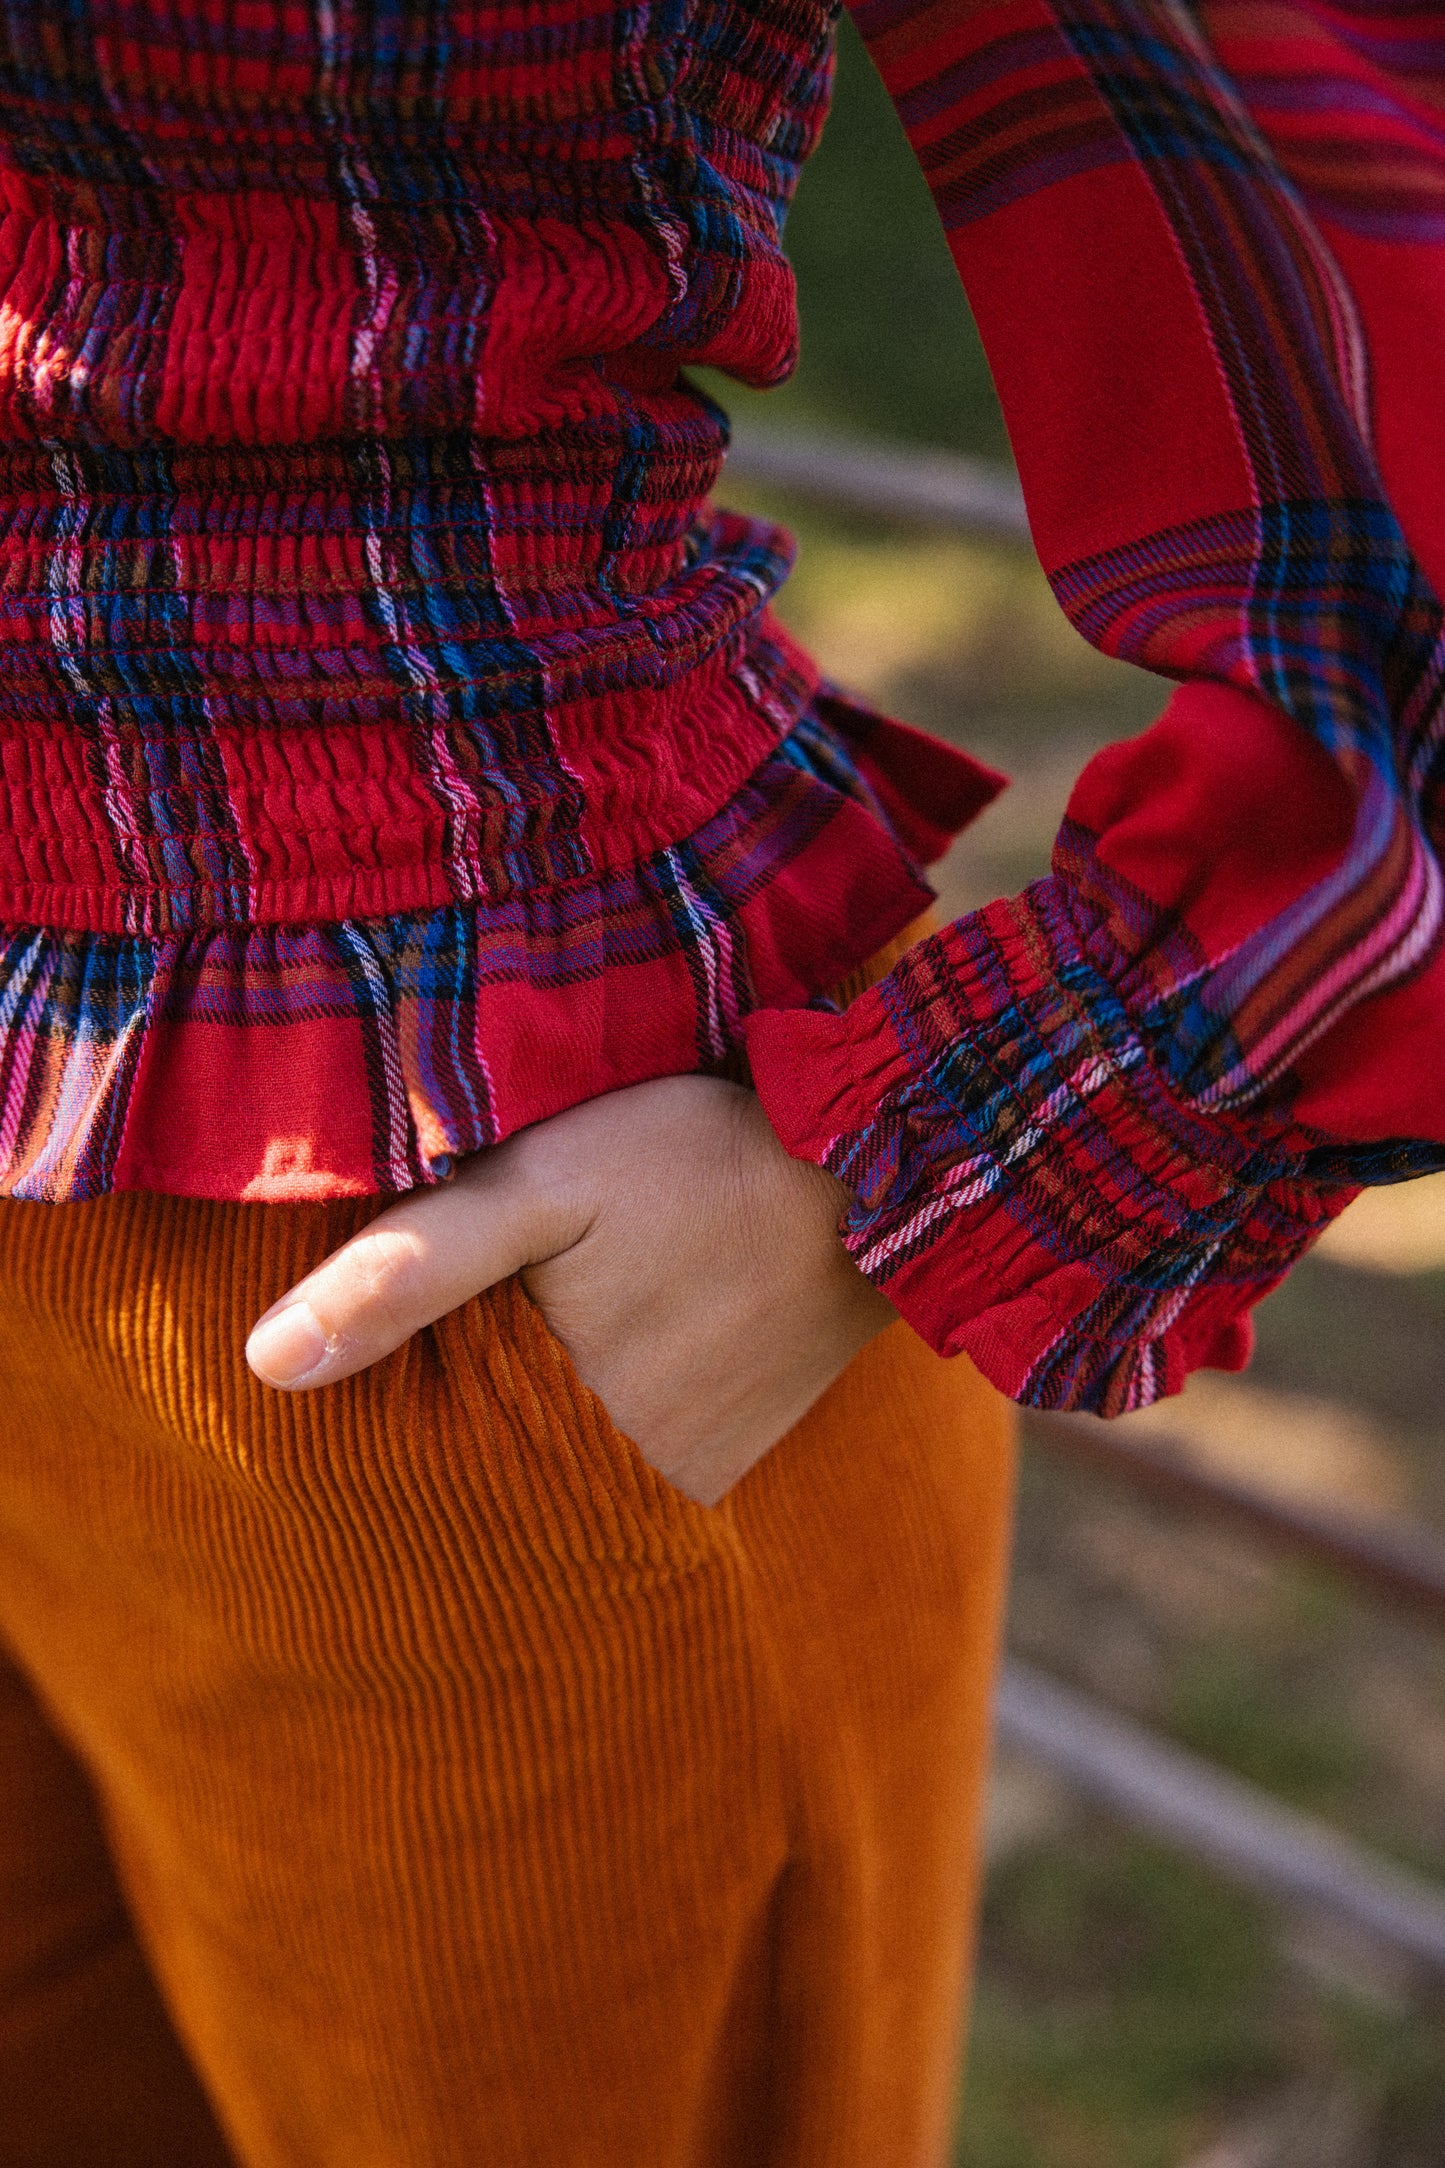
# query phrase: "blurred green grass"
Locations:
[[1123, 1991], [1126, 1997]]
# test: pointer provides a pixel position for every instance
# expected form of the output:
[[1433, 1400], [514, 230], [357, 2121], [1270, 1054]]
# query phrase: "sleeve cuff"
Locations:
[[1029, 1188]]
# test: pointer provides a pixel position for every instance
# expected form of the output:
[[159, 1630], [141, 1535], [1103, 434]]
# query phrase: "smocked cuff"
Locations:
[[1028, 1187]]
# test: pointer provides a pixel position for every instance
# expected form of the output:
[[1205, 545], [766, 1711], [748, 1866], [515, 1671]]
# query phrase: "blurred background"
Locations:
[[1147, 1996]]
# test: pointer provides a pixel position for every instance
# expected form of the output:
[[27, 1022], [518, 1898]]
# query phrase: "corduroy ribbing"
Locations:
[[476, 1795]]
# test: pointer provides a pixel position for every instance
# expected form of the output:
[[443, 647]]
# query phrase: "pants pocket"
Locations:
[[588, 1486]]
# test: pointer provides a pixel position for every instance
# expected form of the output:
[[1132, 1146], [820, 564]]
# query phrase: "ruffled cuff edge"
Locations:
[[951, 1244]]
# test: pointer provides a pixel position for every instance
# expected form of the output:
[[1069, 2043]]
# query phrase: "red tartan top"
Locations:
[[395, 750]]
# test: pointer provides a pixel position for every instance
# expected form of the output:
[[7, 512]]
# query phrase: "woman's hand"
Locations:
[[691, 1268]]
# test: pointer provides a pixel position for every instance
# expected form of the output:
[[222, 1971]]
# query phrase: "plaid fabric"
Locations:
[[276, 1062], [1029, 1187], [394, 748], [351, 552], [1087, 1130]]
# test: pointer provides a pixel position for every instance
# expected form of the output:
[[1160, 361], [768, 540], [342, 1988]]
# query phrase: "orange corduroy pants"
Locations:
[[404, 1776]]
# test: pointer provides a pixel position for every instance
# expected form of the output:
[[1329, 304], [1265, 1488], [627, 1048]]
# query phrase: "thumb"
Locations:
[[423, 1257]]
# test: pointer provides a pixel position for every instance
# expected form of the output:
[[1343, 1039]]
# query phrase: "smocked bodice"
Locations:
[[351, 546]]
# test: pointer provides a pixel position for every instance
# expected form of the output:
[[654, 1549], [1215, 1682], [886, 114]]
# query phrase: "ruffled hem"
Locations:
[[1029, 1188], [365, 1055]]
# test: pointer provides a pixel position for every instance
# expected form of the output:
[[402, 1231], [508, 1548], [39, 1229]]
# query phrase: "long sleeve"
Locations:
[[1087, 1128]]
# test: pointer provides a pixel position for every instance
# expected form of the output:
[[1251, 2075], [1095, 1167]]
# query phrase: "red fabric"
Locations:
[[373, 670], [1069, 1275], [1057, 358], [928, 794], [303, 1061], [248, 1107], [567, 299], [1086, 1130], [1267, 813], [1401, 296], [274, 370]]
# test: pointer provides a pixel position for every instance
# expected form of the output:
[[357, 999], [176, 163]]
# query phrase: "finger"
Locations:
[[415, 1262]]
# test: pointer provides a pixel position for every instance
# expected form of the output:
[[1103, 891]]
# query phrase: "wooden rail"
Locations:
[[895, 481], [1239, 1830], [1404, 1565]]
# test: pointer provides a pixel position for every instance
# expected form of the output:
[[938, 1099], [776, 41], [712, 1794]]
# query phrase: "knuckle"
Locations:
[[547, 1188], [384, 1291]]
